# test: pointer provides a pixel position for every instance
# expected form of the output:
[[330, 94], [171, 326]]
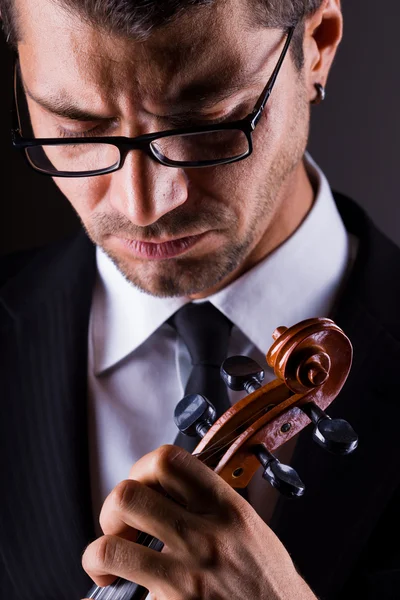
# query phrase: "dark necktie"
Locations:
[[205, 331]]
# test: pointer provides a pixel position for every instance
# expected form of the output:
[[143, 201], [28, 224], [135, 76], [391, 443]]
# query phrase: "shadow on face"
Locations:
[[207, 66]]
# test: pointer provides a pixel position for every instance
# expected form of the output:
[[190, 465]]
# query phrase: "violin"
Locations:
[[311, 361]]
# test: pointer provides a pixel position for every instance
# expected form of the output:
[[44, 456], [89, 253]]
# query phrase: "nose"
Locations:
[[144, 190]]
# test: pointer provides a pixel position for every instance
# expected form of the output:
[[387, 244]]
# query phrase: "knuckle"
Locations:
[[164, 456], [186, 583], [195, 588], [207, 549], [182, 527], [211, 550], [125, 494], [167, 458], [104, 553], [237, 516]]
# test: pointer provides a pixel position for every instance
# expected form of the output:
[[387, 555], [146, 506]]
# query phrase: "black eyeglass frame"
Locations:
[[124, 144]]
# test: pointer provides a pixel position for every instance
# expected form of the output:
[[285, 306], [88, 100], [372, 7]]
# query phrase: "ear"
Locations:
[[323, 33]]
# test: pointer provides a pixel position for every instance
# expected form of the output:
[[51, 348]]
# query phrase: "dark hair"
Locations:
[[138, 18]]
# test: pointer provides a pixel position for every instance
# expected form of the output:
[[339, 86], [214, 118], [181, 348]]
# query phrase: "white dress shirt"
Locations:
[[137, 367]]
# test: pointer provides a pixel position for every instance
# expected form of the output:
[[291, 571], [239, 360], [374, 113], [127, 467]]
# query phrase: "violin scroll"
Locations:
[[311, 361], [310, 354]]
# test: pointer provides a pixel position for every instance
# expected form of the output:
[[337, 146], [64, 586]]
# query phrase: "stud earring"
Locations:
[[321, 94]]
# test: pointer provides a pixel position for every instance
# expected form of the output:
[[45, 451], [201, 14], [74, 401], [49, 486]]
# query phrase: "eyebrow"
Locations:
[[191, 101], [207, 94], [63, 107]]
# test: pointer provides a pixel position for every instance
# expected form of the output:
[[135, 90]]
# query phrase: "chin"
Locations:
[[179, 276]]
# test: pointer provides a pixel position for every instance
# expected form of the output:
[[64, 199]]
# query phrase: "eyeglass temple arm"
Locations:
[[256, 114], [15, 116], [259, 107]]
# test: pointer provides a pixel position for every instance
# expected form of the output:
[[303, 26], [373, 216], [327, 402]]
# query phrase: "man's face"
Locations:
[[170, 231]]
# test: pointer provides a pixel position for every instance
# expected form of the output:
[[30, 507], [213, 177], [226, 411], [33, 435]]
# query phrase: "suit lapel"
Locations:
[[326, 530], [46, 515], [47, 519]]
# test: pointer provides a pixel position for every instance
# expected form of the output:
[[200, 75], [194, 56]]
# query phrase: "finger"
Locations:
[[116, 525], [186, 479], [110, 556], [134, 505]]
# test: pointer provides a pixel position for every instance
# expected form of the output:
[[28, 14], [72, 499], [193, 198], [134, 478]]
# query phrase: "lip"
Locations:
[[161, 250]]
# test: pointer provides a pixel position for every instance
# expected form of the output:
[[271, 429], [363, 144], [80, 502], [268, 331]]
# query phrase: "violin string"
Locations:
[[225, 441], [220, 444], [216, 447]]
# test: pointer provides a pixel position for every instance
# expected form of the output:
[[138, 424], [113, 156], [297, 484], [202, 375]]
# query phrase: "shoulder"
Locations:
[[12, 264], [29, 275], [18, 263], [375, 278], [358, 222]]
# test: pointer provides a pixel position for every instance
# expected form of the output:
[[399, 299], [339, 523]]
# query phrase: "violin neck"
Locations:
[[119, 590], [122, 589]]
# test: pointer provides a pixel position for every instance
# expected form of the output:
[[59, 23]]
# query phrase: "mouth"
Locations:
[[161, 250]]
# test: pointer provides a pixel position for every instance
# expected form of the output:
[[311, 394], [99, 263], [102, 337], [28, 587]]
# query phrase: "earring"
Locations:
[[321, 94]]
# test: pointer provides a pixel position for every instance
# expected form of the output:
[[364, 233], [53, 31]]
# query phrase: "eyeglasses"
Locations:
[[190, 147]]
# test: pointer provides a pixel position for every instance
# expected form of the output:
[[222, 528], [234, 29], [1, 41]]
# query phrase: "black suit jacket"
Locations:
[[342, 535]]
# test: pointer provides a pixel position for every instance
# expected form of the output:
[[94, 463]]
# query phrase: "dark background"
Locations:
[[354, 137]]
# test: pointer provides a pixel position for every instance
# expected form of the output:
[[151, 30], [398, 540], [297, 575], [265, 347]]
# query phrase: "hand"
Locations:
[[216, 546]]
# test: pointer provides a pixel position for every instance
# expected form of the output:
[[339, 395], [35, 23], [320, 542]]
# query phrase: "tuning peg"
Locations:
[[280, 476], [242, 373], [335, 435], [194, 415]]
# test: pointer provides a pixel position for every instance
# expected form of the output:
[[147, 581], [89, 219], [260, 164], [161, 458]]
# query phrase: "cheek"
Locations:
[[240, 180], [232, 186], [85, 194]]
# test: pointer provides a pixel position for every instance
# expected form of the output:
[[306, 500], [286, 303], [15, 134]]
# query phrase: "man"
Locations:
[[92, 366]]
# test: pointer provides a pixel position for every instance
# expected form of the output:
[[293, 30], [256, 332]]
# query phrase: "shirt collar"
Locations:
[[122, 316], [299, 280]]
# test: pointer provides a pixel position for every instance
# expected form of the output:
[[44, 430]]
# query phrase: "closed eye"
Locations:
[[185, 122], [238, 112], [170, 123], [97, 131]]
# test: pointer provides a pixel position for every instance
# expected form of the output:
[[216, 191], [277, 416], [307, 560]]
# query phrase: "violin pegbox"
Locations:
[[311, 361]]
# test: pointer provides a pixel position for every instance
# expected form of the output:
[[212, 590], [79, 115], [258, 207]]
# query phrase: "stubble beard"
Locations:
[[177, 277], [186, 276]]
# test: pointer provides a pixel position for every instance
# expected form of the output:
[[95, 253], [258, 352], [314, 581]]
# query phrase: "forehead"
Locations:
[[208, 47]]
